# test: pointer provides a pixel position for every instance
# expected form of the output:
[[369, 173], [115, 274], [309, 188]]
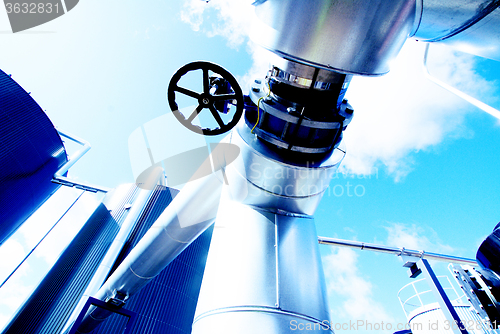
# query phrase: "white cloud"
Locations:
[[416, 237], [403, 112], [234, 22], [233, 18], [345, 283]]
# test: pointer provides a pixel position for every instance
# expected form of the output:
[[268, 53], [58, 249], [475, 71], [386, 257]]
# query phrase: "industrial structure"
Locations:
[[236, 250]]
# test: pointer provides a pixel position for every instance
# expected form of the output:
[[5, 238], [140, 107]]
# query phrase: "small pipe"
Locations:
[[76, 156], [58, 176], [396, 251], [475, 102]]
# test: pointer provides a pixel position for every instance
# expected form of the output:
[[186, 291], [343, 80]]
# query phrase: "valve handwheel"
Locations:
[[210, 98]]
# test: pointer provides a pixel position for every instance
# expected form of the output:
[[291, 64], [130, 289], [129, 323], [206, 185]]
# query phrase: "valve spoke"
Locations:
[[195, 113], [206, 83], [217, 117], [224, 97], [187, 92]]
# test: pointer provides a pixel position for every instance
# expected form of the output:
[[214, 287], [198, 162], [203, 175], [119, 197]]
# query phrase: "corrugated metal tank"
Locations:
[[168, 303], [31, 151], [50, 305]]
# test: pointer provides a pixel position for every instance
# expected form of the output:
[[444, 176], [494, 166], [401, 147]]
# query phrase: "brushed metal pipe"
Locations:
[[135, 212], [191, 212], [348, 36], [399, 251]]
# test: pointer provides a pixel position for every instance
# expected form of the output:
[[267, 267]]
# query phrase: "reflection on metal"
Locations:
[[31, 152], [59, 175], [73, 269], [263, 274], [39, 242], [399, 251], [191, 212], [264, 271], [304, 76], [348, 36], [263, 178], [471, 26], [475, 102], [134, 212]]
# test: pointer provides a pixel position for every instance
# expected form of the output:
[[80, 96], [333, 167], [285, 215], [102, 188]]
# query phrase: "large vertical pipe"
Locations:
[[264, 271], [263, 275]]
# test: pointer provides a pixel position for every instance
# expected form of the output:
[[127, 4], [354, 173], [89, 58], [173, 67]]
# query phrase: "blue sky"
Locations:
[[423, 162]]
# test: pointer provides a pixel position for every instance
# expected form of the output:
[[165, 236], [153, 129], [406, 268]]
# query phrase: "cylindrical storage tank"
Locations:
[[51, 304], [31, 151]]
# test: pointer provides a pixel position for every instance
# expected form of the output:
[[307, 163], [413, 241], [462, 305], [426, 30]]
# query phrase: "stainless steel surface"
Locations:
[[248, 193], [114, 250], [306, 71], [190, 213], [475, 102], [472, 26], [77, 214], [304, 76], [258, 320], [263, 274], [349, 36], [400, 251], [259, 177], [464, 276], [38, 243], [301, 281], [268, 170], [241, 264]]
